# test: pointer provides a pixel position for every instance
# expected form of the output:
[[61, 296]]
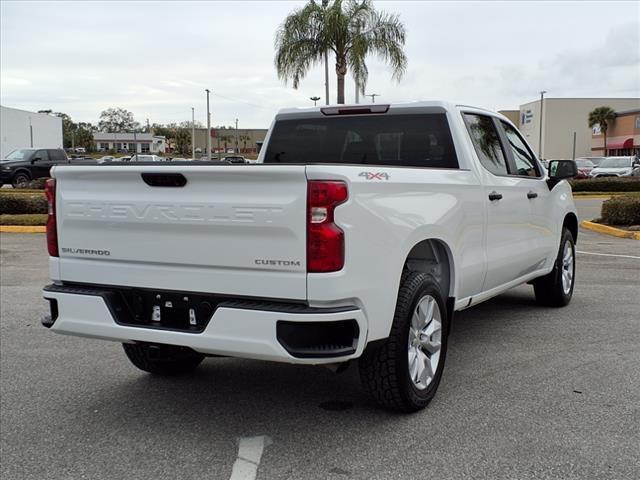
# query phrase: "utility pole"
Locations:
[[208, 128], [541, 118], [373, 96], [573, 155], [193, 133], [314, 100], [325, 3], [237, 151]]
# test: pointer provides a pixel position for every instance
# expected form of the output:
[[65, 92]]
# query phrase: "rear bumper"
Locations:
[[238, 329]]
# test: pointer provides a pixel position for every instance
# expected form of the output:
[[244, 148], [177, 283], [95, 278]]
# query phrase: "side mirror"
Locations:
[[561, 170]]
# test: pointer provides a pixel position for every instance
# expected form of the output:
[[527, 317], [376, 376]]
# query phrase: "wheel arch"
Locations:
[[22, 170], [433, 256], [571, 223]]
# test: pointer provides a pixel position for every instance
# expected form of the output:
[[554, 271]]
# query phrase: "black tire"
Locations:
[[384, 367], [19, 179], [549, 289], [162, 359]]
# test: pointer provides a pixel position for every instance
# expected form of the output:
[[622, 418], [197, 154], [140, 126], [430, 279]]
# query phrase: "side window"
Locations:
[[486, 142], [525, 163], [57, 156], [42, 155]]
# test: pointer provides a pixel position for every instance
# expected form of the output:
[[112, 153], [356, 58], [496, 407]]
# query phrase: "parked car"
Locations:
[[26, 164], [614, 167], [595, 160], [80, 150], [146, 158], [234, 159], [584, 167], [106, 159], [365, 231], [123, 159]]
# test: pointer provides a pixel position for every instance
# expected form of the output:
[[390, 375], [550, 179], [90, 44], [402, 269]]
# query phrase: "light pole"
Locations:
[[314, 100], [541, 118], [325, 3], [193, 133], [237, 136], [208, 128], [373, 96]]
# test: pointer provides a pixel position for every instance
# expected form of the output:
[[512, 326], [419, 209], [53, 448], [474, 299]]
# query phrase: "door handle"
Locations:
[[531, 195], [495, 196]]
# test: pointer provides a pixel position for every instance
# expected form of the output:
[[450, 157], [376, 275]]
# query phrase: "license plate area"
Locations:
[[186, 312]]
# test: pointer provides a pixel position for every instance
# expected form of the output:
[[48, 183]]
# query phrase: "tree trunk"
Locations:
[[340, 89], [604, 147], [341, 71]]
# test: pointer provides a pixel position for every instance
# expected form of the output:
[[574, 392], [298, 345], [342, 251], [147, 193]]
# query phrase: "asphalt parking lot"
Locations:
[[528, 392]]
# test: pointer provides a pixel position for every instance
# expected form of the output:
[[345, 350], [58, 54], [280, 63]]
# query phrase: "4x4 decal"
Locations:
[[374, 175]]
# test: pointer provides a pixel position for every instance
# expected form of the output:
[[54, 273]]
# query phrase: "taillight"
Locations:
[[52, 230], [325, 240]]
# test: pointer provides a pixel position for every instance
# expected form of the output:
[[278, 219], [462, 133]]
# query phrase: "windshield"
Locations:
[[616, 162], [585, 163], [419, 140], [21, 154]]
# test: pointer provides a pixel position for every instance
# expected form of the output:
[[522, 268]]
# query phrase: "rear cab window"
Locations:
[[404, 140], [57, 156]]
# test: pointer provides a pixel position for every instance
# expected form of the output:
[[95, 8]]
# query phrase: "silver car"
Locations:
[[615, 167]]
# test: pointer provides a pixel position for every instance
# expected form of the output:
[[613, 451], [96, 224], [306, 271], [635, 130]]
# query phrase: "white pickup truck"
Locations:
[[358, 234]]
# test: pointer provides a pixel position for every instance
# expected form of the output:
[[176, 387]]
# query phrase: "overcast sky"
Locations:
[[156, 58]]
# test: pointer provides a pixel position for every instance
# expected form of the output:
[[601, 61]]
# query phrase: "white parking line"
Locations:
[[608, 255], [249, 453]]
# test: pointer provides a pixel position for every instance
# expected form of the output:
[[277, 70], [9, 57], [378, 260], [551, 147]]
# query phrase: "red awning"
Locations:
[[628, 143]]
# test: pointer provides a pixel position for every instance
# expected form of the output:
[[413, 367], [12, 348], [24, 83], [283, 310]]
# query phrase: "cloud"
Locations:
[[156, 58]]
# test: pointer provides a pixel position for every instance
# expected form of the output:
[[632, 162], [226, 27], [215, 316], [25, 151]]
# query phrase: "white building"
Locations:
[[23, 129], [140, 142], [561, 118]]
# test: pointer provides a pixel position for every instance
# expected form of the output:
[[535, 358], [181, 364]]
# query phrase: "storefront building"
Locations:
[[623, 136]]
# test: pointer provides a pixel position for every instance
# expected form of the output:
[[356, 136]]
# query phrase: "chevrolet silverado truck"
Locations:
[[356, 236]]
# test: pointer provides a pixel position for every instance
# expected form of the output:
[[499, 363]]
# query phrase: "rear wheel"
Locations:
[[404, 372], [556, 288], [20, 179], [162, 359]]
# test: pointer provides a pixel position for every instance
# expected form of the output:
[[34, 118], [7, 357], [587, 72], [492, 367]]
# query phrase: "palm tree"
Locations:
[[602, 116], [351, 30]]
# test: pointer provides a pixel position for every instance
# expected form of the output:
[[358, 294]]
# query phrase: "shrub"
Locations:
[[621, 210], [607, 184], [29, 220], [14, 204]]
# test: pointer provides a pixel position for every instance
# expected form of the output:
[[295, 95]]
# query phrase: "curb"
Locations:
[[580, 197], [22, 229], [615, 232]]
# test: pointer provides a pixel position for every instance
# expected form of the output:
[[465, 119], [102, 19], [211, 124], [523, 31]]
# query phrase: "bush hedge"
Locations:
[[13, 204], [28, 220], [607, 184], [621, 210]]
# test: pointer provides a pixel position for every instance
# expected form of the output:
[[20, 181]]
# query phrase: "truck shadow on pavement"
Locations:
[[238, 397]]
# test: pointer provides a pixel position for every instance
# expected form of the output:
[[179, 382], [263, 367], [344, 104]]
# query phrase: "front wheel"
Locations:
[[404, 372], [162, 359], [556, 288], [20, 180]]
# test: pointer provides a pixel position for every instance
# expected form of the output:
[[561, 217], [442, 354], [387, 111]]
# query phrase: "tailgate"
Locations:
[[237, 230]]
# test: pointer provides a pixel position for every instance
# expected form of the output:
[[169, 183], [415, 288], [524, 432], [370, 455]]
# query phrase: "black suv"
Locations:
[[26, 164]]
